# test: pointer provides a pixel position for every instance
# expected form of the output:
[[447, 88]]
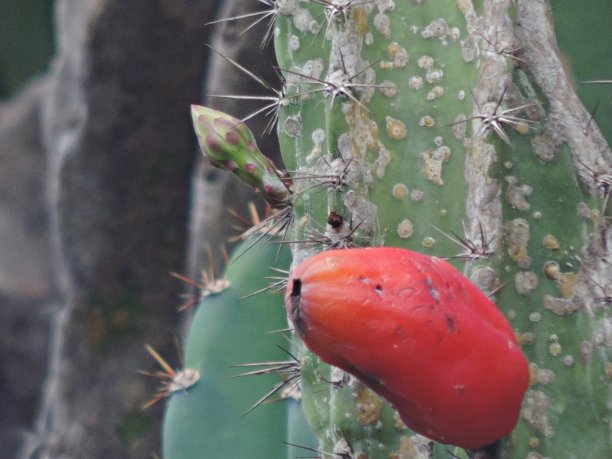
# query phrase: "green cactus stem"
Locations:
[[447, 127], [208, 418], [446, 143]]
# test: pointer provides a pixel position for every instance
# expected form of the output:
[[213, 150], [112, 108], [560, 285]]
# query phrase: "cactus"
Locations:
[[449, 127], [207, 418]]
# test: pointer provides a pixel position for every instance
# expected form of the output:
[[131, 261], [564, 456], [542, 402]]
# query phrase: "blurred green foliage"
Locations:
[[26, 42], [590, 20]]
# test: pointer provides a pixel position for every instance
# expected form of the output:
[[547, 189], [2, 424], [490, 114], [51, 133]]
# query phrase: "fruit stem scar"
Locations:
[[296, 287], [295, 307]]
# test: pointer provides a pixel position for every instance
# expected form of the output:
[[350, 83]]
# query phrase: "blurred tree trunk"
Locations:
[[96, 208], [110, 153]]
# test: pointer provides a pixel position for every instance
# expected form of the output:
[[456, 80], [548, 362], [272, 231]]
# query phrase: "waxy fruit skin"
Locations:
[[417, 332]]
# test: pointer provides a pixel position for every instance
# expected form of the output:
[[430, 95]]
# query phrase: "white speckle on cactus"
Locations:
[[516, 195], [405, 229], [550, 242], [545, 376], [428, 242], [400, 191], [396, 129], [425, 62], [432, 168], [303, 21], [364, 212], [568, 360], [417, 195], [345, 146], [415, 82], [427, 121], [435, 29], [399, 56], [517, 234], [454, 33], [318, 135], [438, 141], [287, 7], [292, 126], [388, 88], [380, 165], [525, 282], [385, 5], [314, 68], [435, 92], [461, 95], [434, 75], [369, 39], [535, 317], [537, 215], [294, 43], [555, 348], [382, 24], [342, 447]]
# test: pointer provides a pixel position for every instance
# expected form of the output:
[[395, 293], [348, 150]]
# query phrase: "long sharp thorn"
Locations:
[[596, 82], [496, 290], [259, 238], [260, 15], [265, 289], [250, 73], [276, 388], [160, 360]]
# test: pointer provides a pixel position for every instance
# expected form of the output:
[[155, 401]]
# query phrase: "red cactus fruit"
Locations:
[[417, 332]]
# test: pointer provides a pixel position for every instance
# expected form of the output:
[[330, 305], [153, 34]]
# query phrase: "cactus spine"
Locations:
[[449, 127]]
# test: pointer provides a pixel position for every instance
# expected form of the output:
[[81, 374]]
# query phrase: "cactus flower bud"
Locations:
[[229, 144]]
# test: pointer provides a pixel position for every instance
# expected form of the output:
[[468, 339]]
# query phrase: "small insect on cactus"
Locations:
[[446, 127]]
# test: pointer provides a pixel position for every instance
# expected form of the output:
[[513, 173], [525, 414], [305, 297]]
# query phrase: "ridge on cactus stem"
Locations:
[[229, 144], [417, 332]]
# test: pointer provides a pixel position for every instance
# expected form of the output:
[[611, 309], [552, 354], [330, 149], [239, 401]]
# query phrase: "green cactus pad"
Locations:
[[207, 420]]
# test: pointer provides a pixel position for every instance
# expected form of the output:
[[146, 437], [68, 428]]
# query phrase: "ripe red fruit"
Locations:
[[417, 332]]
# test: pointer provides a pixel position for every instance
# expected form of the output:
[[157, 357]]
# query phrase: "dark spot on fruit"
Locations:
[[450, 322]]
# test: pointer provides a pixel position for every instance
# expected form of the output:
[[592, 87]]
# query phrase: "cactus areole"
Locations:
[[419, 333]]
